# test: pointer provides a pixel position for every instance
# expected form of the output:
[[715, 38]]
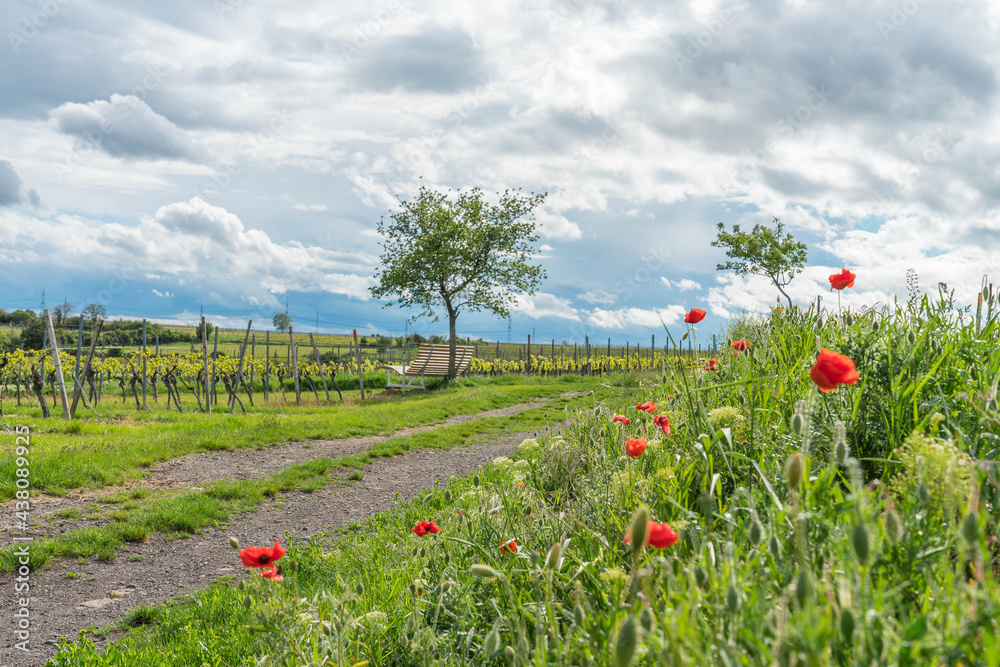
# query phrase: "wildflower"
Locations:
[[740, 346], [621, 419], [713, 365], [271, 574], [663, 422], [839, 281], [647, 407], [832, 369], [425, 527], [658, 536], [508, 547], [696, 315], [261, 556], [635, 446]]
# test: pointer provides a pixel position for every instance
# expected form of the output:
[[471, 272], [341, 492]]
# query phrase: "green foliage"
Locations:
[[762, 252], [282, 322], [462, 255]]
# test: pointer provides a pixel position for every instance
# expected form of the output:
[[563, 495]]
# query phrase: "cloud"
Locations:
[[125, 126], [12, 192], [545, 247], [164, 295], [684, 284], [597, 296], [558, 227], [542, 304], [627, 318], [435, 59]]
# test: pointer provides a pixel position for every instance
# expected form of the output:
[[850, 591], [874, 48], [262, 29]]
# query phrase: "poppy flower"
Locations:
[[839, 281], [271, 574], [621, 419], [647, 407], [508, 547], [663, 422], [713, 365], [741, 346], [261, 556], [658, 536], [425, 527], [696, 315], [635, 446], [832, 369]]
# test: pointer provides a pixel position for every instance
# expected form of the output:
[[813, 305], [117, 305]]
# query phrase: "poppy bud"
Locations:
[[422, 552], [756, 533], [413, 589], [794, 469], [625, 646], [646, 620], [535, 557], [911, 337], [446, 586], [859, 540], [447, 496], [970, 528], [492, 643], [847, 625], [527, 511], [923, 493], [415, 550], [701, 576], [483, 571], [803, 588], [848, 319], [579, 615], [775, 546], [447, 558], [475, 480], [732, 600], [234, 543], [637, 530], [509, 654], [875, 326], [248, 602], [552, 559], [893, 526], [798, 423], [840, 452], [359, 590]]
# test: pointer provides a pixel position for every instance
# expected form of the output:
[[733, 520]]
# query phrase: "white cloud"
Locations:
[[545, 247], [598, 296], [164, 295], [684, 284], [542, 304], [625, 318]]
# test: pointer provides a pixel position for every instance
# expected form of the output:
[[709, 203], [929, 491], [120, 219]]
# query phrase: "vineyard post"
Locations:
[[267, 364], [215, 363], [322, 373], [100, 375], [57, 362], [79, 353], [20, 361], [361, 377], [157, 345], [78, 392], [253, 351], [527, 358], [204, 359], [294, 354], [587, 342], [239, 371], [144, 342], [652, 351], [714, 344], [609, 348]]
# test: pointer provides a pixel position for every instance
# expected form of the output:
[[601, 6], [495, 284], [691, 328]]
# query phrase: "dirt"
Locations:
[[148, 573]]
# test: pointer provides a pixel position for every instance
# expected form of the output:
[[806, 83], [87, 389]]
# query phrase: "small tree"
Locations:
[[459, 255], [282, 322], [94, 312], [762, 252], [62, 311]]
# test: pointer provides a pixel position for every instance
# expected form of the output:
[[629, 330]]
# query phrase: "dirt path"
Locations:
[[148, 573], [194, 470]]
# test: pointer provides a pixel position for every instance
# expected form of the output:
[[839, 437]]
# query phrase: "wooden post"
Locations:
[[239, 371], [253, 351], [78, 392], [79, 353], [204, 358], [527, 358], [267, 364], [55, 359], [652, 351], [322, 373], [361, 376], [587, 341], [100, 376], [294, 353], [144, 364], [215, 357]]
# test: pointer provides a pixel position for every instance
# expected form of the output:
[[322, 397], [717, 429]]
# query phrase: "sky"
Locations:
[[234, 156]]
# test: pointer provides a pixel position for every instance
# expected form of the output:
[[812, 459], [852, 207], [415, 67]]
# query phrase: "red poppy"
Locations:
[[620, 419], [832, 369], [741, 345], [425, 527], [713, 365], [271, 574], [839, 281], [635, 446], [647, 407], [261, 556], [663, 422], [658, 536], [508, 547], [696, 315]]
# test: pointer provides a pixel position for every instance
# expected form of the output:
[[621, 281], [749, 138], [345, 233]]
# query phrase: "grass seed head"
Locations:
[[794, 469], [552, 559], [483, 571], [893, 526], [638, 527]]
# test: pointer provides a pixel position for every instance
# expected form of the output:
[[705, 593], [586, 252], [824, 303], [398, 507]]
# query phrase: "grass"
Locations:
[[857, 527], [89, 454]]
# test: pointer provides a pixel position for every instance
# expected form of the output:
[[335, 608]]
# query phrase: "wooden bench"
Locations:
[[431, 361]]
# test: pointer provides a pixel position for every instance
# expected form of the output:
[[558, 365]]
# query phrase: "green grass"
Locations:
[[89, 454], [772, 567]]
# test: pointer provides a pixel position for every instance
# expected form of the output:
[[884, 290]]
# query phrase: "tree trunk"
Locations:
[[452, 315], [783, 293]]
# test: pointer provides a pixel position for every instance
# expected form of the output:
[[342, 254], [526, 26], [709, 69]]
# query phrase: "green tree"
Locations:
[[461, 255], [94, 312], [282, 322], [763, 252]]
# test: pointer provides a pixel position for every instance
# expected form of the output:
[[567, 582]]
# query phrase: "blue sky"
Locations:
[[161, 158]]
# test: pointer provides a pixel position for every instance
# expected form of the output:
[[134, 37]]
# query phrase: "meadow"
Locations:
[[718, 512]]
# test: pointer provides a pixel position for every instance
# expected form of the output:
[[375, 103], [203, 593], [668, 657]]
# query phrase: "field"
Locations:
[[783, 525]]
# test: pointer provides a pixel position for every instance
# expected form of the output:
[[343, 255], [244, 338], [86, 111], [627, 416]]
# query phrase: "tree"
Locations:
[[94, 312], [62, 311], [282, 322], [762, 252], [460, 255]]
